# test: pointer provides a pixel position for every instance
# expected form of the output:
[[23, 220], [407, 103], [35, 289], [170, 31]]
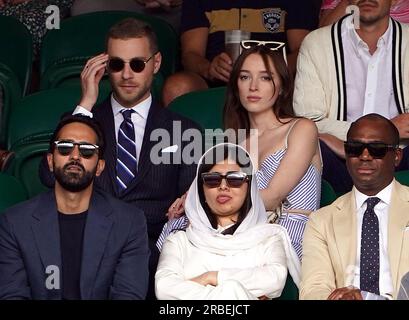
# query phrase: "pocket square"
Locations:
[[169, 149]]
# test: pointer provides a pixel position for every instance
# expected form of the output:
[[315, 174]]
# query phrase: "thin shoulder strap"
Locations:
[[288, 132]]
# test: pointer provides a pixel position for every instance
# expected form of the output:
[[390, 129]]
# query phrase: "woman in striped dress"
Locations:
[[259, 101], [284, 148]]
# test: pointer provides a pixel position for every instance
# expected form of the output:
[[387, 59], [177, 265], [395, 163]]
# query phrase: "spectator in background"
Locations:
[[168, 10], [344, 73], [32, 13], [333, 10], [204, 22], [359, 242], [74, 242], [229, 251]]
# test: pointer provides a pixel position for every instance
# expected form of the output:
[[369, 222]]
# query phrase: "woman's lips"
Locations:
[[223, 199]]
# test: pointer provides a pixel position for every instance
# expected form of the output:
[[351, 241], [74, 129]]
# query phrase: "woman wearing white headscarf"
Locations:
[[228, 251]]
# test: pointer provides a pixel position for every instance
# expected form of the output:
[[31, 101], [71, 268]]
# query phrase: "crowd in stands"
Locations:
[[311, 99]]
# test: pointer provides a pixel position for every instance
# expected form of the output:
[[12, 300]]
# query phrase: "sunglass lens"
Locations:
[[115, 65], [137, 65], [354, 149], [377, 150], [235, 180], [87, 151], [65, 148], [212, 180]]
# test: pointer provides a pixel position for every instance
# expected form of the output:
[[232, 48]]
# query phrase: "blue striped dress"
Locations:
[[305, 196]]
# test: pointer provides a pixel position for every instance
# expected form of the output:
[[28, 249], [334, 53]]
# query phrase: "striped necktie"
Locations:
[[369, 264], [126, 162]]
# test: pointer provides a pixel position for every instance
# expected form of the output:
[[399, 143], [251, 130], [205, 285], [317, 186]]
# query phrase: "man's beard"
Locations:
[[74, 181]]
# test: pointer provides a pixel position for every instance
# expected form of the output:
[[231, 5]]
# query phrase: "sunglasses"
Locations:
[[377, 150], [137, 65], [272, 45], [234, 179], [86, 150]]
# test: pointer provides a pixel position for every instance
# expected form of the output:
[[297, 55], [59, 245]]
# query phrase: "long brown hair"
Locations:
[[235, 116]]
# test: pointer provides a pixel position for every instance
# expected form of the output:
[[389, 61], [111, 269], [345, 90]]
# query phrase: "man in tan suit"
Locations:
[[361, 241]]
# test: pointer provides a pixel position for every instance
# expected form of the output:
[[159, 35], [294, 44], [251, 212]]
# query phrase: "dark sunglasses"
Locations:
[[234, 179], [377, 150], [136, 64], [87, 150]]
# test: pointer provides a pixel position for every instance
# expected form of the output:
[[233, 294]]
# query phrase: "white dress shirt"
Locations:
[[368, 77], [138, 118], [381, 211]]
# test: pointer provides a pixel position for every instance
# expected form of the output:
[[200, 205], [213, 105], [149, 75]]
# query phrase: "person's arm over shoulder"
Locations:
[[317, 275], [13, 276], [130, 280]]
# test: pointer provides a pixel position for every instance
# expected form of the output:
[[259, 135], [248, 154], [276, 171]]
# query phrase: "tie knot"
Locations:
[[126, 113], [372, 202]]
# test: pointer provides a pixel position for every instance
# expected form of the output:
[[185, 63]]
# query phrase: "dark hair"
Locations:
[[129, 28], [88, 121], [393, 131], [235, 116], [214, 156]]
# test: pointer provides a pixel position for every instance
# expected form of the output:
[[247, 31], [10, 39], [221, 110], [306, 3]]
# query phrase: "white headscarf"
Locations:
[[253, 230]]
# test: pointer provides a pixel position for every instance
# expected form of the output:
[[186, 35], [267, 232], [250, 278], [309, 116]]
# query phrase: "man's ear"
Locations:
[[157, 62], [100, 167], [50, 159], [398, 156]]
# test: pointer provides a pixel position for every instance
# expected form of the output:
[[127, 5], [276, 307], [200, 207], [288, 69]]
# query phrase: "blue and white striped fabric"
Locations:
[[126, 152], [305, 196], [171, 226]]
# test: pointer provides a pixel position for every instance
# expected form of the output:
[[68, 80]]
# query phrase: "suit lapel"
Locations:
[[398, 220], [105, 117], [97, 229], [154, 121], [46, 232], [344, 224]]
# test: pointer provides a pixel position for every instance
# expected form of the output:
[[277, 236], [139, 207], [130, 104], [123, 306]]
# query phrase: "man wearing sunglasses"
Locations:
[[203, 25], [344, 73], [74, 242], [357, 246], [129, 117]]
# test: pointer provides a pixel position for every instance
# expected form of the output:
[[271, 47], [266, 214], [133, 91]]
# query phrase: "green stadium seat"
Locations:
[[35, 117], [328, 194], [11, 94], [16, 50], [402, 177], [290, 291], [11, 190], [25, 166], [204, 107], [64, 51]]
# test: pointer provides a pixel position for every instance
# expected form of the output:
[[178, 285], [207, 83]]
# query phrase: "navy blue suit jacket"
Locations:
[[115, 250], [155, 186]]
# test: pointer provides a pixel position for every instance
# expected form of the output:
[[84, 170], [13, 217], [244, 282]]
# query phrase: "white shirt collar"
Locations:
[[385, 195], [141, 108], [384, 41]]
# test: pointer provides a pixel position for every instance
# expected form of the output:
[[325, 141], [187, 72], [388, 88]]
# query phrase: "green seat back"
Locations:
[[64, 51], [402, 177], [25, 166], [204, 107], [16, 49], [328, 194], [11, 191], [290, 291], [11, 94], [36, 116]]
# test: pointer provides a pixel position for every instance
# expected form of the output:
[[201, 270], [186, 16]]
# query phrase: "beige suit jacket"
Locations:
[[330, 240]]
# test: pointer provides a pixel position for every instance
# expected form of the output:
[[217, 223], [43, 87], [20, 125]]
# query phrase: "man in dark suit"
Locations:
[[74, 242], [132, 59]]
